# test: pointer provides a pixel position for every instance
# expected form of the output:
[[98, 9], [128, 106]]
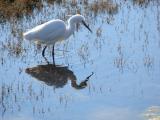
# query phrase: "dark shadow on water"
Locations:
[[56, 76]]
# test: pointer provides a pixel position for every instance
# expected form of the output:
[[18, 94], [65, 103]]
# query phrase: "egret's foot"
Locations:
[[54, 63], [46, 60]]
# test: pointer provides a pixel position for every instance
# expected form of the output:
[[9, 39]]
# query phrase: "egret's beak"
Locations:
[[86, 26]]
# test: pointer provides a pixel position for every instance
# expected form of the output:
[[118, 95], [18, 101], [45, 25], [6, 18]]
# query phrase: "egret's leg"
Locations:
[[43, 52], [53, 55]]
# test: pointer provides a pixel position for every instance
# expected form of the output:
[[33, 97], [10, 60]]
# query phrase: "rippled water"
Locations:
[[120, 60]]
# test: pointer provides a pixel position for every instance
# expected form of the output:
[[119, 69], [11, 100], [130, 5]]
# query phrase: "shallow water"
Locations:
[[122, 52]]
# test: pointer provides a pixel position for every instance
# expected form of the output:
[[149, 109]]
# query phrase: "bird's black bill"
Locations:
[[86, 26]]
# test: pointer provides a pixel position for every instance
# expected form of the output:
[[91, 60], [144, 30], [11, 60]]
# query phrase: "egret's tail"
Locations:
[[28, 35]]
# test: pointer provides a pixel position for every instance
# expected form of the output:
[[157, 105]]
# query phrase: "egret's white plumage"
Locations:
[[54, 30], [47, 33]]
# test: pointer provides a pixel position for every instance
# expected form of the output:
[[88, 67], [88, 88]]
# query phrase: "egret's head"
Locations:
[[79, 19]]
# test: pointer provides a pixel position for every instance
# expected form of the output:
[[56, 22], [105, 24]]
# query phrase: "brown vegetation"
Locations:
[[104, 6], [141, 2], [16, 8]]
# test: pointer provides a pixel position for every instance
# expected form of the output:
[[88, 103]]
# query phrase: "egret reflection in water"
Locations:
[[56, 76]]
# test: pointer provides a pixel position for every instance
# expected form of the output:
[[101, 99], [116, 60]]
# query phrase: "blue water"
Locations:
[[123, 52]]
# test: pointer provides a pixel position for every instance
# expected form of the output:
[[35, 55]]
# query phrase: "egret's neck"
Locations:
[[69, 29]]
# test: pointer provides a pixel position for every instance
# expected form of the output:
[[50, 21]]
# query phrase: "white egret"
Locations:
[[53, 31]]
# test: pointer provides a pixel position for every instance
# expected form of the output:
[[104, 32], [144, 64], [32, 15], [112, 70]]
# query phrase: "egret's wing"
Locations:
[[46, 32]]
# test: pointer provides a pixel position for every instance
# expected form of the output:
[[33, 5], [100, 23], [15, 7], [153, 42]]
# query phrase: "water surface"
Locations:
[[122, 52]]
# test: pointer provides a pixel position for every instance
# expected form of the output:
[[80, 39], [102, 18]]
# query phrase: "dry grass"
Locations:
[[17, 8], [14, 48], [101, 6], [141, 2]]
